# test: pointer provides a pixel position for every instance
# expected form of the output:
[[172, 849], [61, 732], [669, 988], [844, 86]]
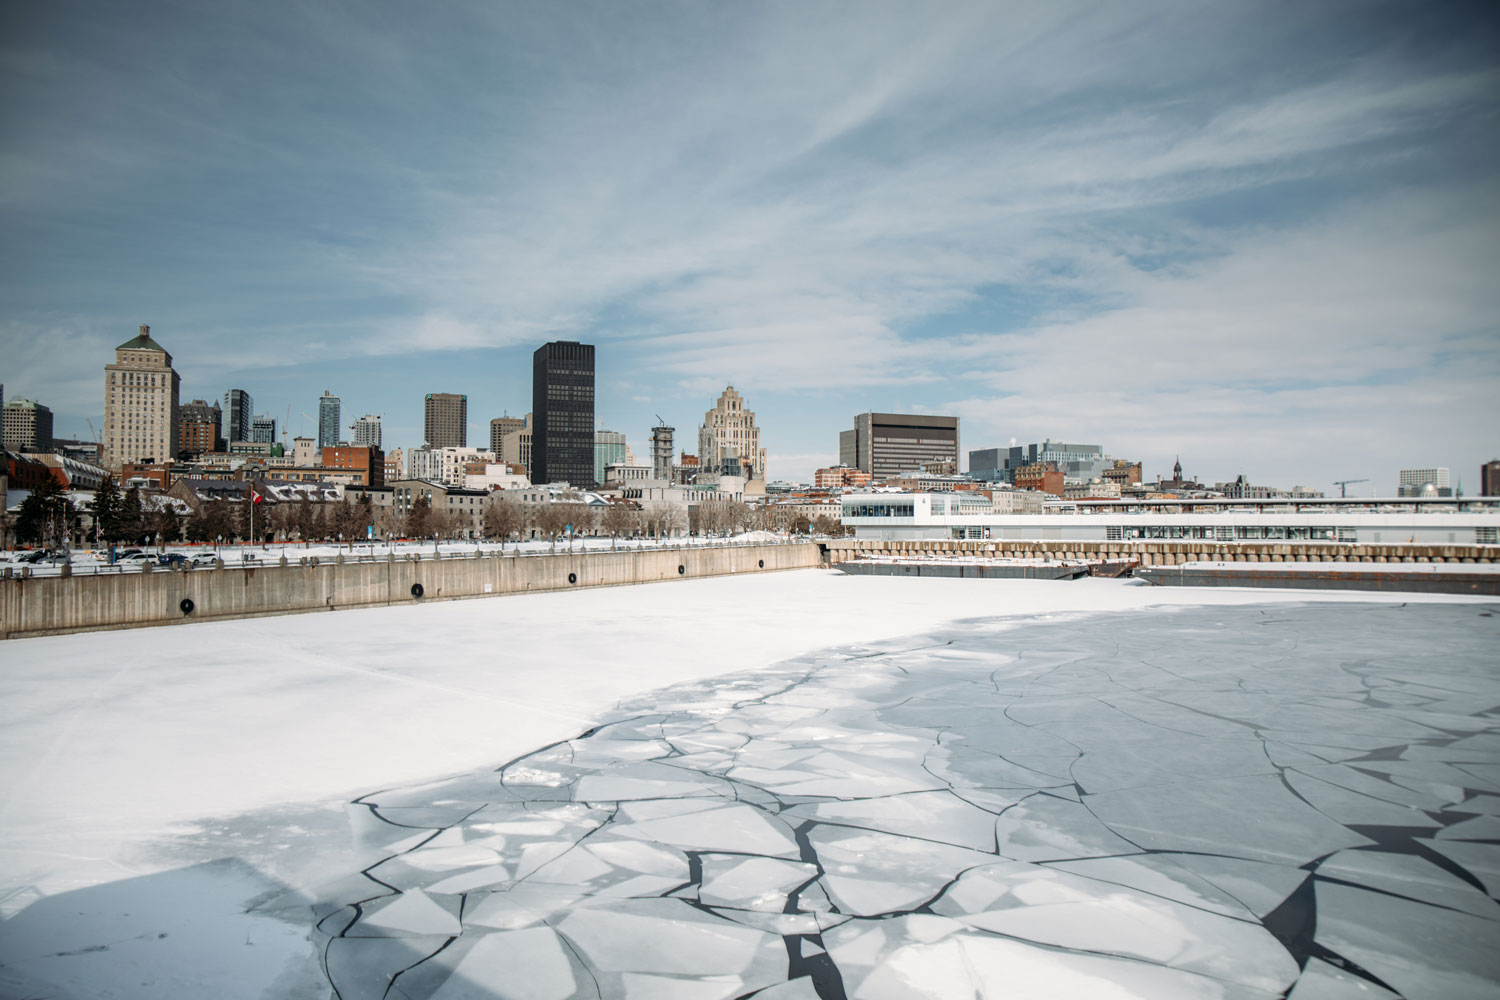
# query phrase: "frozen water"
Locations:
[[1226, 801], [1197, 803]]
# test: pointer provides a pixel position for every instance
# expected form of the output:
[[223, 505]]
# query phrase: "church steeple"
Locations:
[[1177, 470]]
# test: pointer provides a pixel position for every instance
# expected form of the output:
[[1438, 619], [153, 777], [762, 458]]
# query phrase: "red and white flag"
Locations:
[[254, 496]]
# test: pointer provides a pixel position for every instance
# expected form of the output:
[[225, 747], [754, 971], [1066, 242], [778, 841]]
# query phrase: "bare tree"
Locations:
[[671, 520], [551, 518], [617, 519], [738, 516], [503, 517], [830, 526], [773, 518]]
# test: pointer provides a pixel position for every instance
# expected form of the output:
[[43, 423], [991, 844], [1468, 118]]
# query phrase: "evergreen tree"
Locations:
[[366, 515], [167, 523], [106, 507], [45, 516], [131, 528], [418, 518]]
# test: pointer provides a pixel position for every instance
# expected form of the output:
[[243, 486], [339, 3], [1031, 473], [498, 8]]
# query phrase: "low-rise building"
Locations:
[[465, 506], [490, 476], [1094, 488], [364, 460], [1044, 477], [840, 477]]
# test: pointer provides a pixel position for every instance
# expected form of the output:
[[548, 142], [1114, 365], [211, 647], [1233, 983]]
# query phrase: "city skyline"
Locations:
[[1267, 250]]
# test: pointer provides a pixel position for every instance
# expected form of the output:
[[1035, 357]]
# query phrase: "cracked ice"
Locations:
[[1234, 802]]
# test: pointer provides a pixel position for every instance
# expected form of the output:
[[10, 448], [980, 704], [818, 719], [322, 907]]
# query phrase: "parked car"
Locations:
[[136, 558], [203, 559], [126, 552], [172, 559]]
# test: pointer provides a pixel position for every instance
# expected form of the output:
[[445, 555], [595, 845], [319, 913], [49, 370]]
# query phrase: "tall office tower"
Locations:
[[140, 404], [366, 431], [328, 420], [198, 427], [446, 420], [609, 449], [562, 404], [501, 426], [263, 429], [516, 445], [1415, 483], [729, 440], [239, 411], [661, 452], [27, 426], [1489, 478], [888, 444]]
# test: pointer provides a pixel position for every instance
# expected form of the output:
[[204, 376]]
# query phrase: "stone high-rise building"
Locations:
[[27, 426], [140, 404], [661, 452], [446, 420], [239, 413], [199, 427], [516, 444], [728, 437], [562, 406], [501, 426]]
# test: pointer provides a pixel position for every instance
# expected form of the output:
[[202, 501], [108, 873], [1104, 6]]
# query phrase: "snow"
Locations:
[[733, 713]]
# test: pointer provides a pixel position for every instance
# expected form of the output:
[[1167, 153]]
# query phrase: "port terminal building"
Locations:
[[1394, 521]]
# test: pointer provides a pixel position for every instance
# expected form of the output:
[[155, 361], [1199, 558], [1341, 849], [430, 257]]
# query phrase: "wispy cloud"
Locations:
[[1065, 218]]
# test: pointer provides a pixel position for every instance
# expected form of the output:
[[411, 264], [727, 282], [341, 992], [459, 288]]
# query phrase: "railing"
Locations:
[[248, 557]]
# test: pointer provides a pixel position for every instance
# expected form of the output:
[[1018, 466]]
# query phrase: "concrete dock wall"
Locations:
[[56, 604], [1168, 553]]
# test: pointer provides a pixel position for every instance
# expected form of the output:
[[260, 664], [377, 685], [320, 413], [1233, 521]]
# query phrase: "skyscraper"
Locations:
[[609, 449], [446, 420], [367, 430], [661, 452], [140, 403], [1489, 478], [328, 420], [501, 426], [562, 404], [728, 438], [28, 425], [263, 429], [239, 411], [888, 444]]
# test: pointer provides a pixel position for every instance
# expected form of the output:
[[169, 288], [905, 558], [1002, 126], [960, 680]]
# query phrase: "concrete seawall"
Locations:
[[52, 605], [1165, 553]]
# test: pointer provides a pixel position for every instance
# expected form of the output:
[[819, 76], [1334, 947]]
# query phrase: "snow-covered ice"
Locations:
[[803, 784]]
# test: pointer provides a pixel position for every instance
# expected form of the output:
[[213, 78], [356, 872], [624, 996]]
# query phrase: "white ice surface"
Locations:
[[130, 754]]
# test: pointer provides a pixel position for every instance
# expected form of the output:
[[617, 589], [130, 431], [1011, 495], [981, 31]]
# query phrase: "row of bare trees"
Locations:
[[503, 519]]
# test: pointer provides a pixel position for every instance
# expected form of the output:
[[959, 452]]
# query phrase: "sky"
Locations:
[[1261, 236]]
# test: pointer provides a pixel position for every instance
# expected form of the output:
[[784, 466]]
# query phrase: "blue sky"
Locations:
[[1263, 235]]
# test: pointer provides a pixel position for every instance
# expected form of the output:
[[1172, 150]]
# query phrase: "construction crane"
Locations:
[[1343, 485]]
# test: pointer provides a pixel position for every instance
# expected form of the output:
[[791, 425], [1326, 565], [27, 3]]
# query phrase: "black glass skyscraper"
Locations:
[[562, 406]]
